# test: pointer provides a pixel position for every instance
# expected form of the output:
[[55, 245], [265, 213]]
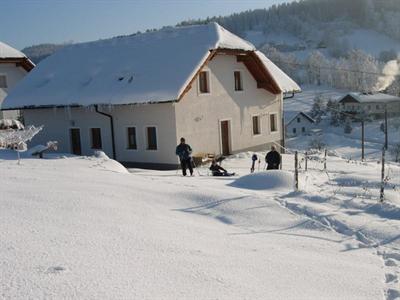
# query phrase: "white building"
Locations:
[[298, 123], [135, 96], [373, 104], [14, 65]]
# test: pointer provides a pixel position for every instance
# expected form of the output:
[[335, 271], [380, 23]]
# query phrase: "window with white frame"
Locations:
[[256, 125], [131, 138], [3, 81], [204, 82], [151, 138], [273, 122]]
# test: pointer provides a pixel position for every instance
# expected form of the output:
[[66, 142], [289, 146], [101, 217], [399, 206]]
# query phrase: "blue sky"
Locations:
[[29, 22]]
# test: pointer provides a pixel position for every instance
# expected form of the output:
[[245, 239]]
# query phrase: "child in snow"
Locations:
[[217, 170]]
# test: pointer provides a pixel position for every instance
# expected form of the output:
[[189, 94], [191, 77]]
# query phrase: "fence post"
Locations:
[[362, 140], [306, 161], [325, 160], [296, 171], [382, 193]]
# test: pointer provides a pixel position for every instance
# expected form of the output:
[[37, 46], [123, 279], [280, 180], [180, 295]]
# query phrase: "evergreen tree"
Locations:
[[318, 108]]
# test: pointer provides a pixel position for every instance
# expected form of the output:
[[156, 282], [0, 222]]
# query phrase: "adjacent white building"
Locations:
[[298, 123], [135, 96], [14, 66], [373, 104]]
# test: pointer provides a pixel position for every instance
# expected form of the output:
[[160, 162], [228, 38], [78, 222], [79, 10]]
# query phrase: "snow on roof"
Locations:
[[291, 115], [372, 97], [7, 51], [287, 84], [144, 68]]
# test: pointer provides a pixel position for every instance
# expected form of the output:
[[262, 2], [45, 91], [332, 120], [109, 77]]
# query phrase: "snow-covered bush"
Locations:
[[16, 139], [395, 151], [347, 126], [318, 109], [316, 143]]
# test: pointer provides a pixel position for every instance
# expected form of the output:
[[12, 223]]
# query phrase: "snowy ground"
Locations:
[[85, 228]]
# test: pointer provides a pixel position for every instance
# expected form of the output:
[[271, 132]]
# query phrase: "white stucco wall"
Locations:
[[304, 123], [57, 123], [14, 74], [198, 115]]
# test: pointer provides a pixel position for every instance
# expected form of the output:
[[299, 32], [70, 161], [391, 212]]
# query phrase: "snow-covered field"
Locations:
[[83, 227]]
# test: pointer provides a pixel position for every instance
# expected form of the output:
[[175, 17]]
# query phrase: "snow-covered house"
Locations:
[[135, 96], [373, 104], [298, 123], [14, 65]]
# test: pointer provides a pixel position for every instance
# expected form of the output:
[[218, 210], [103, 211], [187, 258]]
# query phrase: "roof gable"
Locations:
[[291, 116], [9, 55]]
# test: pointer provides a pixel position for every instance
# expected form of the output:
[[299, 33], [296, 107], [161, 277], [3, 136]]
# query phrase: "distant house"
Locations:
[[373, 104], [14, 65], [298, 123], [135, 96]]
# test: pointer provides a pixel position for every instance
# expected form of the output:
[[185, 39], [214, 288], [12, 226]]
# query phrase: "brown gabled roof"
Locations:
[[22, 62]]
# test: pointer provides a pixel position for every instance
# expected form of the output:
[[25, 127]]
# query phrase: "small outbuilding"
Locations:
[[298, 123]]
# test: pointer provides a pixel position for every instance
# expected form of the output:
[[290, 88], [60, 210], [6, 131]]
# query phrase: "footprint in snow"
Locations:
[[55, 270], [393, 294], [390, 278]]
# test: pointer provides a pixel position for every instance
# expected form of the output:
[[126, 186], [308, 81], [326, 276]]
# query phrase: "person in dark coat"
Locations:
[[217, 170], [273, 159], [184, 151]]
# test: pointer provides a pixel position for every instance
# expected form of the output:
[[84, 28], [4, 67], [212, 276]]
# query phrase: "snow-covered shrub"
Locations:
[[16, 139], [318, 109], [395, 151], [347, 126], [316, 143]]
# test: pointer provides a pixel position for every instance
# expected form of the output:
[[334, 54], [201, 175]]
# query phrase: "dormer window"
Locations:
[[3, 81], [238, 81], [204, 82]]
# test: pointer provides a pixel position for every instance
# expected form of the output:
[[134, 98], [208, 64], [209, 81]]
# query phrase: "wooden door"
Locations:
[[225, 138], [75, 136]]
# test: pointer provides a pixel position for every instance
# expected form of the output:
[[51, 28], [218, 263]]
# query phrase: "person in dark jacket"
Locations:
[[273, 159], [217, 170], [184, 151]]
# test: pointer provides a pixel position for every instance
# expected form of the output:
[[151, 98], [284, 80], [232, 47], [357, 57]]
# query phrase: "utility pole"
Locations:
[[296, 171], [386, 128], [362, 140], [382, 193]]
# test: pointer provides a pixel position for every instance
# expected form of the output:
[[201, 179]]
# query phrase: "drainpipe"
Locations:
[[112, 129]]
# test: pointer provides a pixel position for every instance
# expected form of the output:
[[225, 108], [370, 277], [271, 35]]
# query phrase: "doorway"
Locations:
[[225, 137], [75, 136]]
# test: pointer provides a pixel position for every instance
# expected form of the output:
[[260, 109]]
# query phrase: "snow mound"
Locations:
[[100, 154], [269, 180], [108, 164], [113, 166]]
